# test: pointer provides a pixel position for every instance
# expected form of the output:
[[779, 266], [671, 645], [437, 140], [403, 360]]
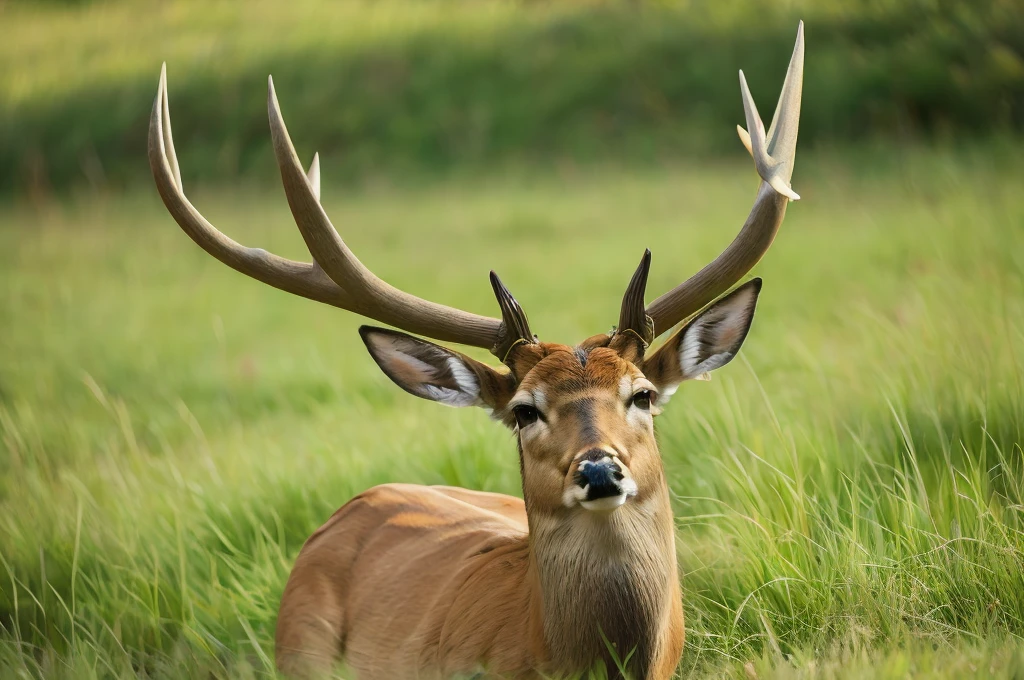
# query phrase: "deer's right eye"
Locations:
[[642, 400], [525, 415]]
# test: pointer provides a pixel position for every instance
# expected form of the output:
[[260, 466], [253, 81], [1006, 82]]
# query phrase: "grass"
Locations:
[[849, 493], [402, 86]]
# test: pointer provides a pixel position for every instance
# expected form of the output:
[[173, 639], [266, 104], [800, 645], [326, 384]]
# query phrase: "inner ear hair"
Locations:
[[432, 372], [708, 341], [715, 336]]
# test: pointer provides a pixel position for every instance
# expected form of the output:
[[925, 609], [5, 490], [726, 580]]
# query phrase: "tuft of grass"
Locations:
[[848, 494]]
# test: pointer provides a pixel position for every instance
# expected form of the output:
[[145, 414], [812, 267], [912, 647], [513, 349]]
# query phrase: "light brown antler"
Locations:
[[774, 156], [335, 277]]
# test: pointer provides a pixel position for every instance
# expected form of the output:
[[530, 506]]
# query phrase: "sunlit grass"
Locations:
[[848, 495]]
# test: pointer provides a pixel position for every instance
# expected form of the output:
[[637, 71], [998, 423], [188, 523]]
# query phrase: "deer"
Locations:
[[413, 581]]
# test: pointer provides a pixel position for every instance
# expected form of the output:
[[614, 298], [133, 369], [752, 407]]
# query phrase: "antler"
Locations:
[[515, 326], [336, 276], [633, 317], [774, 156]]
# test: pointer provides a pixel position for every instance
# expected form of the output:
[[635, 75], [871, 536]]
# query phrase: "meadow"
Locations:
[[849, 493]]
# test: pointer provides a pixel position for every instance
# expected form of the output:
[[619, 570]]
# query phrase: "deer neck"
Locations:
[[604, 578]]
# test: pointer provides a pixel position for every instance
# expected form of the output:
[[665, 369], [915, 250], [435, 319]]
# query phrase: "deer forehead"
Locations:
[[566, 376]]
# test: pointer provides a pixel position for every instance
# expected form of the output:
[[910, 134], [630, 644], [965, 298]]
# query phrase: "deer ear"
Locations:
[[707, 342], [432, 372]]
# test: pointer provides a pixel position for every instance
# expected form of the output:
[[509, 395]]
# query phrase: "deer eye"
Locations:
[[525, 415], [642, 400]]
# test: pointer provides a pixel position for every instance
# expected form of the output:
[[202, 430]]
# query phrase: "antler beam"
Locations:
[[336, 276]]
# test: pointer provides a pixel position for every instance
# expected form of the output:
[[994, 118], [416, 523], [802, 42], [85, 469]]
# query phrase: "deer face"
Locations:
[[585, 427], [583, 416]]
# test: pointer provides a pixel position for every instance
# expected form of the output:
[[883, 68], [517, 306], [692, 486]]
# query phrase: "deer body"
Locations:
[[460, 568], [408, 581], [405, 580]]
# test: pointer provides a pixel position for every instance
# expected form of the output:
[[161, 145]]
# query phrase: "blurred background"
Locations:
[[849, 493]]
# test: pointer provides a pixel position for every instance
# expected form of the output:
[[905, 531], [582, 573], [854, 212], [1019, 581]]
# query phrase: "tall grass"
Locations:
[[848, 494]]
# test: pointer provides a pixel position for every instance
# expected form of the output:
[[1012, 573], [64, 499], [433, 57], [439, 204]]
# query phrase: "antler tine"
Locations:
[[515, 326], [165, 128], [313, 175], [782, 132], [368, 294], [774, 155], [632, 315]]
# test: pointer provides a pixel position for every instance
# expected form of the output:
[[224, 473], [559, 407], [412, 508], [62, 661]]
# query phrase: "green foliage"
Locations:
[[408, 86], [849, 492]]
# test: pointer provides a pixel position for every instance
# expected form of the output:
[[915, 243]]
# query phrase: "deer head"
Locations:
[[583, 415]]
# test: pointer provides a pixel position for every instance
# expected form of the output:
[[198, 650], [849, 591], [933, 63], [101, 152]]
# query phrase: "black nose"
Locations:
[[599, 475]]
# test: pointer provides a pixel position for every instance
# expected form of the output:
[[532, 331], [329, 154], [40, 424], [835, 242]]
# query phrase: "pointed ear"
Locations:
[[432, 372], [707, 342]]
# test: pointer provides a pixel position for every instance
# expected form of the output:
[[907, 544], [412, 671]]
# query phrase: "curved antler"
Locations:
[[336, 276], [774, 155]]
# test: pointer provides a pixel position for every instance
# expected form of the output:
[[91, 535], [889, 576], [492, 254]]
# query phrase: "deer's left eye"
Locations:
[[525, 415], [642, 400]]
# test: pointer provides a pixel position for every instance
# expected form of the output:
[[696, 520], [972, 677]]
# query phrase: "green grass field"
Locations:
[[849, 494]]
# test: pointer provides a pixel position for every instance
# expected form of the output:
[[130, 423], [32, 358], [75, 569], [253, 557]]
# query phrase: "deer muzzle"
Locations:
[[600, 482]]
